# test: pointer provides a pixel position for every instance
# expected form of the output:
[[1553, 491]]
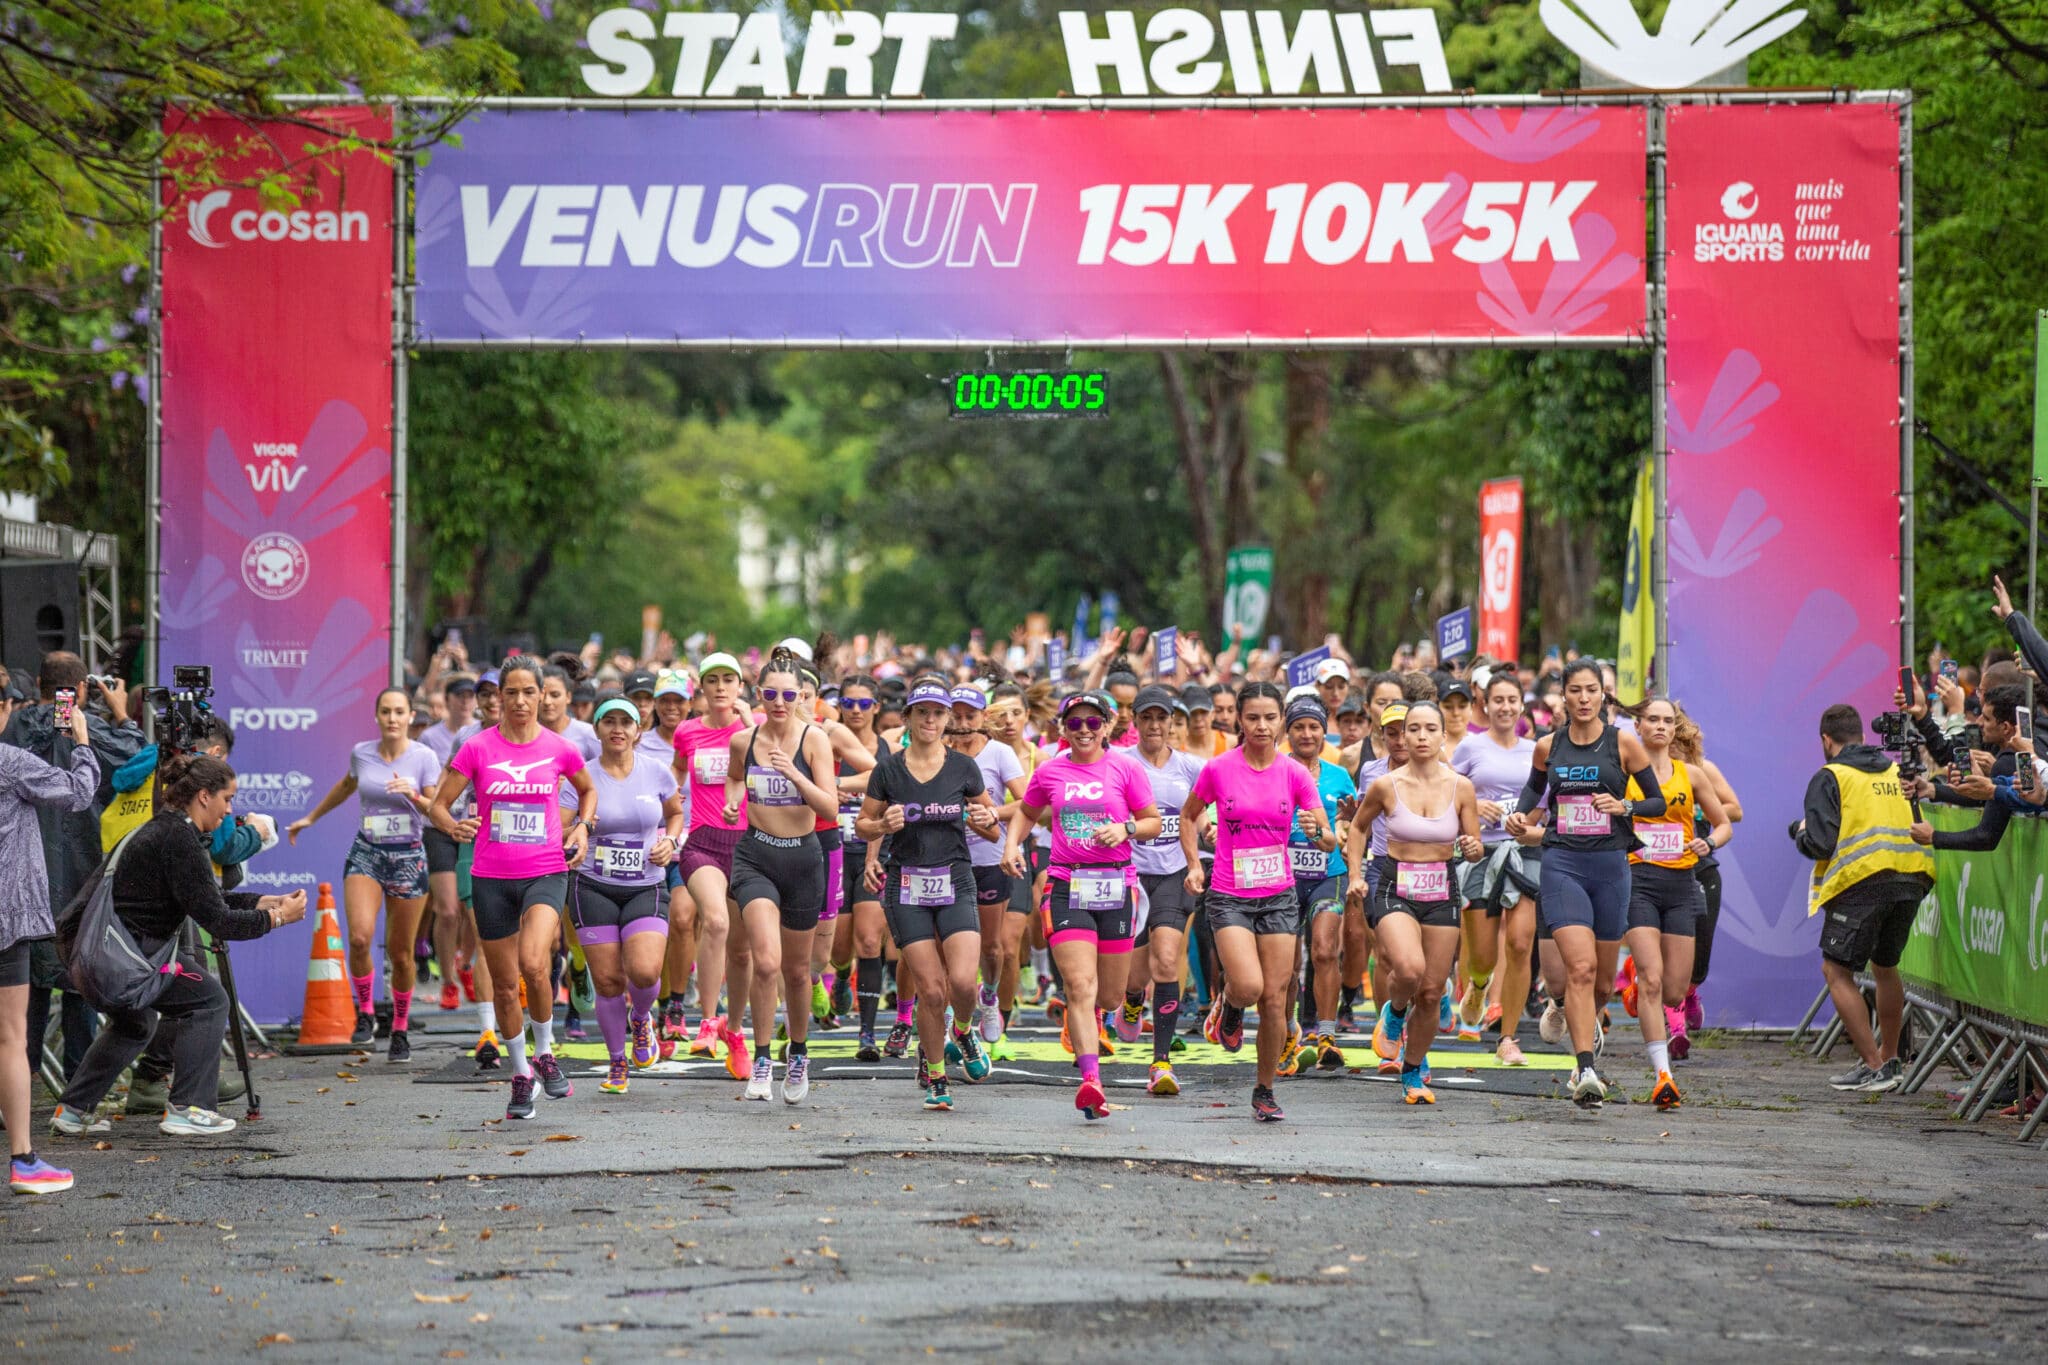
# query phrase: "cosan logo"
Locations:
[[205, 226], [273, 717]]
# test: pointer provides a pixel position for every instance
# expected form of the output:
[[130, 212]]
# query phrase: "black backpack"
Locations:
[[105, 963]]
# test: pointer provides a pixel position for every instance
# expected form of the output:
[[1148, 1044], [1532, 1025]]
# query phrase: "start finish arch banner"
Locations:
[[1114, 227]]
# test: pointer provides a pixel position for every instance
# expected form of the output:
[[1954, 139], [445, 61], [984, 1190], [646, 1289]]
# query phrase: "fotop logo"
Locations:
[[274, 566], [271, 225], [273, 717], [1082, 791], [1738, 201]]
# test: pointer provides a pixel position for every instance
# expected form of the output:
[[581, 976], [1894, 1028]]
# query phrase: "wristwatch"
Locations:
[[1131, 830]]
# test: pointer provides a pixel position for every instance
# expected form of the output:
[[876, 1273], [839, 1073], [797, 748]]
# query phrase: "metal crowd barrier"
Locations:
[[1985, 1048]]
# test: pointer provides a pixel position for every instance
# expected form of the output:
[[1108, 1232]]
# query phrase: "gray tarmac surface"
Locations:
[[370, 1218]]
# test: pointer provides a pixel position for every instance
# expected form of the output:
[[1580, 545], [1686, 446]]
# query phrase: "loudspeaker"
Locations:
[[38, 613]]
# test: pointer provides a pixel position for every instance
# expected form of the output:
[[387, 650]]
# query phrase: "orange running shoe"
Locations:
[[736, 1060], [1664, 1094]]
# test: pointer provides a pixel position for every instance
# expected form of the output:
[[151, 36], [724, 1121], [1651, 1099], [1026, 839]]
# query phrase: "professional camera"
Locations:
[[1897, 736], [183, 711]]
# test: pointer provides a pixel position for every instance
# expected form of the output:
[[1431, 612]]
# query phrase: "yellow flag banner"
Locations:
[[1634, 659]]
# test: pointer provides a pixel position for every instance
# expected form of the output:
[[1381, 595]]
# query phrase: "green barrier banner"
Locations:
[[1982, 938]]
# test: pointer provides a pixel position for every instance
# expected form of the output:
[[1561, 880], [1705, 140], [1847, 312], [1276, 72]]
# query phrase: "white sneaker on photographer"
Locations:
[[71, 1123], [195, 1122]]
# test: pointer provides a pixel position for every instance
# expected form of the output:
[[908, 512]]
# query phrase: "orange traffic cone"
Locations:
[[330, 1017]]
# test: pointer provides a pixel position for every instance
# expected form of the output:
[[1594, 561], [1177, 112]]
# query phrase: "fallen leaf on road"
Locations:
[[1038, 1185], [418, 1297], [276, 1339], [1540, 1269], [508, 1208], [484, 1236], [103, 1146], [334, 1229], [1336, 1270], [828, 1253], [563, 1137], [145, 1160], [517, 1151], [344, 1075], [479, 1317], [1259, 1277]]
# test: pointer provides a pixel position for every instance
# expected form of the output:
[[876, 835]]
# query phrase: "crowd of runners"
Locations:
[[1140, 845]]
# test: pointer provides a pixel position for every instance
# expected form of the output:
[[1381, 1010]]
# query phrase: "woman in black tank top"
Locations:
[[1580, 778]]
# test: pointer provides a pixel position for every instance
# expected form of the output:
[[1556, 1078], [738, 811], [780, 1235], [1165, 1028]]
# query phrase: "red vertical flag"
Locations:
[[1500, 568]]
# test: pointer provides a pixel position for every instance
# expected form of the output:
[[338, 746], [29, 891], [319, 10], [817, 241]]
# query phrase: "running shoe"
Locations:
[[668, 1048], [1230, 1040], [1179, 1044], [572, 1027], [867, 1051], [842, 994], [1490, 1018], [1000, 1050], [673, 1026], [1103, 1045], [520, 1106], [1510, 1053], [761, 1084], [1265, 1108], [705, 1044], [644, 1049], [551, 1078], [37, 1177], [1664, 1094], [582, 994], [925, 1074], [1294, 1058], [451, 995], [468, 976], [1695, 1013], [1551, 1028], [1055, 1006], [898, 1041], [1681, 1041], [1040, 987], [988, 1015], [1600, 1034], [1588, 1090], [1853, 1078], [1625, 986], [1347, 1019], [821, 1004], [796, 1081], [1090, 1100], [1130, 1020], [366, 1028], [1886, 1078], [194, 1121], [937, 1096], [1387, 1032], [1446, 1016], [1470, 1031], [1415, 1087], [71, 1123], [401, 1047], [735, 1052], [487, 1051], [1329, 1056], [973, 1056], [615, 1079], [1163, 1081]]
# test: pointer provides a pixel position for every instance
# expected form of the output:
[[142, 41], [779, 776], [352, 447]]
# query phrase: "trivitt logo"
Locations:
[[272, 656], [274, 566], [273, 717], [271, 225]]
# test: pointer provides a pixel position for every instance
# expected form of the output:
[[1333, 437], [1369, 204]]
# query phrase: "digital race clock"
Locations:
[[1028, 393]]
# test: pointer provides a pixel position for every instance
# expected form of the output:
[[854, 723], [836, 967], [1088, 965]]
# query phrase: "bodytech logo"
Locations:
[[270, 225]]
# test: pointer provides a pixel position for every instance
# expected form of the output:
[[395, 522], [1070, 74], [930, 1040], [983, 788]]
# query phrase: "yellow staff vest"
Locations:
[[1876, 835]]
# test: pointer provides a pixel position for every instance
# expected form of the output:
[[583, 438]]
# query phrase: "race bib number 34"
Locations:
[[1096, 890]]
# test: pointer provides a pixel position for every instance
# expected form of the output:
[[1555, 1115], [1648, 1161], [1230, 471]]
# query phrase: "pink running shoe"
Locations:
[[1695, 1013], [1681, 1043]]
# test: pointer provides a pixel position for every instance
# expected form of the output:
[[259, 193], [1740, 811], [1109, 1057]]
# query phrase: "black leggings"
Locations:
[[1703, 942]]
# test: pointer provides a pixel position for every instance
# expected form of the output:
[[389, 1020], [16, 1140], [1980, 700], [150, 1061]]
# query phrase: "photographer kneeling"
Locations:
[[1869, 878], [165, 876]]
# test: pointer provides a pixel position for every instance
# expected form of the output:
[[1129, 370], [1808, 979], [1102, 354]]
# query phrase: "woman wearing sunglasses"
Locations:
[[779, 774], [849, 753], [857, 935], [923, 801], [1101, 805]]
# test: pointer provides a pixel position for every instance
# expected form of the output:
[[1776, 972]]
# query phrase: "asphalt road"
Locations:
[[367, 1217]]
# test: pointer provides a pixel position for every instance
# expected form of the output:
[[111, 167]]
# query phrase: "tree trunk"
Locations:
[[1215, 456]]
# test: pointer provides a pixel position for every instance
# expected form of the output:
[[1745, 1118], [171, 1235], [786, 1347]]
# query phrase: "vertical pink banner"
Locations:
[[1500, 568], [276, 415], [1783, 422]]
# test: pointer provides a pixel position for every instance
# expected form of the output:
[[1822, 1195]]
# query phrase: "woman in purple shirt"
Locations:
[[393, 778]]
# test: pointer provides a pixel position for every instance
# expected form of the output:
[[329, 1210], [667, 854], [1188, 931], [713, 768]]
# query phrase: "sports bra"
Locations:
[[1407, 827], [768, 787]]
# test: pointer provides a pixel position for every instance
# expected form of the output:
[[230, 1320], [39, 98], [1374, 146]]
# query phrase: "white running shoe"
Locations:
[[1587, 1087], [1551, 1027], [195, 1122], [762, 1084], [988, 1019], [71, 1123], [796, 1079]]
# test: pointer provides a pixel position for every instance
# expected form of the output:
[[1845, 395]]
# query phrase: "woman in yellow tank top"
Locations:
[[1665, 903]]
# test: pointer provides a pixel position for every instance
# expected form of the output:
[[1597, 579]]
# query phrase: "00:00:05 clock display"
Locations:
[[1080, 393]]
